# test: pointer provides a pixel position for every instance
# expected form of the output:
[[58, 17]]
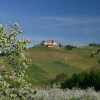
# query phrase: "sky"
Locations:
[[75, 22]]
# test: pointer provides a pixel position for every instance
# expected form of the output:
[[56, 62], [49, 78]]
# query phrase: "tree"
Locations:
[[59, 79], [83, 80], [42, 43], [60, 45], [94, 44], [70, 47], [12, 83]]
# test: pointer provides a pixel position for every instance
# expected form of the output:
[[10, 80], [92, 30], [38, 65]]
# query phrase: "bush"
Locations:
[[59, 79], [94, 44], [60, 94], [83, 80], [70, 47], [12, 83]]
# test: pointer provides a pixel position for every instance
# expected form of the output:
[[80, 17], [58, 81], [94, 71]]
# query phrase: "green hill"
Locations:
[[96, 67], [49, 62]]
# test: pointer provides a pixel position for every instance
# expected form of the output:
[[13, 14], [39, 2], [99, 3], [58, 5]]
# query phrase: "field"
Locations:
[[49, 62]]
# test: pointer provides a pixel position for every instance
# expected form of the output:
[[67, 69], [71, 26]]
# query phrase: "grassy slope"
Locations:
[[49, 62]]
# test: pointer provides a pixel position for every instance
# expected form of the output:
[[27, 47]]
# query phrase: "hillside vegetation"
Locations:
[[49, 62]]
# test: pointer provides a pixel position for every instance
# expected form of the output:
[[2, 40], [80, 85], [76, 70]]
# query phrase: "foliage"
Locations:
[[42, 43], [60, 45], [69, 47], [83, 80], [59, 79], [94, 44], [12, 84], [59, 94]]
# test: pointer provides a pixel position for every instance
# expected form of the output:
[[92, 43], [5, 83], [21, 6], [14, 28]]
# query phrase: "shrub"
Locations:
[[83, 80], [74, 94], [59, 79], [70, 47], [94, 44]]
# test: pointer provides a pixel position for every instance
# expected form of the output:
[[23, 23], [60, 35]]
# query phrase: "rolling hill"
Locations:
[[49, 62]]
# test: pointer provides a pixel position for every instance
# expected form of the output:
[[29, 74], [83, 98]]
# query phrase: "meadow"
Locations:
[[47, 63]]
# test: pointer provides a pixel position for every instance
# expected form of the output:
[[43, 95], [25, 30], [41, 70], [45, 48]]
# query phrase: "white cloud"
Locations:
[[49, 22]]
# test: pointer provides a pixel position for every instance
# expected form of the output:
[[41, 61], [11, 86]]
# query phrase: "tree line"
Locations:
[[81, 80]]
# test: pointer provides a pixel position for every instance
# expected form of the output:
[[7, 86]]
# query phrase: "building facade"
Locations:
[[50, 43]]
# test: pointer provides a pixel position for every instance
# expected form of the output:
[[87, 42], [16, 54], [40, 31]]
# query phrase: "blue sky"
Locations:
[[75, 22]]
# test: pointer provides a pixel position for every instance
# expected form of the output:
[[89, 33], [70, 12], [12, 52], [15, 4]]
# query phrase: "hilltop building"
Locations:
[[50, 43]]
